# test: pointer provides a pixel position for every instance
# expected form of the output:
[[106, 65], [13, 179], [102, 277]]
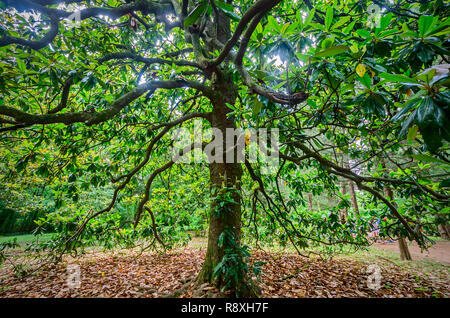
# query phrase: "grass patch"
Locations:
[[26, 238]]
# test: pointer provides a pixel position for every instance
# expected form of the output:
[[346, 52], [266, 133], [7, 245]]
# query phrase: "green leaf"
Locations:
[[334, 50], [199, 10], [445, 183], [412, 133], [224, 6], [425, 23], [349, 27], [427, 158], [408, 106], [257, 105], [309, 17], [341, 22], [431, 136], [284, 28], [328, 17], [427, 75], [273, 23], [398, 78], [407, 123], [384, 22], [440, 30], [21, 65], [228, 9], [427, 112], [366, 81], [364, 33]]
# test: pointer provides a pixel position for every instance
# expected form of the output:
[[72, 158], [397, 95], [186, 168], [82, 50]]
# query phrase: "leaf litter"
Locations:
[[153, 274]]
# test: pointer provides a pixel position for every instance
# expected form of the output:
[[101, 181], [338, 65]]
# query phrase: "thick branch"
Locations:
[[38, 44], [145, 6], [255, 9], [145, 60], [64, 97], [98, 117], [157, 172]]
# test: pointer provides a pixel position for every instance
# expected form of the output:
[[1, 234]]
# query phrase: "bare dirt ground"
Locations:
[[439, 252]]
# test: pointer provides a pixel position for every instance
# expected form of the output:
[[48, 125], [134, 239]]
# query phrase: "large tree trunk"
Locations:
[[224, 177], [228, 175]]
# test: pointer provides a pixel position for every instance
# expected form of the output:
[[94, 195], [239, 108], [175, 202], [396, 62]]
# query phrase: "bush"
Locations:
[[14, 222]]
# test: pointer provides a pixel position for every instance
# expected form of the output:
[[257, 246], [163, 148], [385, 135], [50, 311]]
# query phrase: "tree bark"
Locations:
[[351, 187], [310, 204], [403, 247], [404, 251], [229, 175], [353, 197], [444, 229], [343, 212], [224, 177]]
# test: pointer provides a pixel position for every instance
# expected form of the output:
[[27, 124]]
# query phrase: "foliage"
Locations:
[[87, 108]]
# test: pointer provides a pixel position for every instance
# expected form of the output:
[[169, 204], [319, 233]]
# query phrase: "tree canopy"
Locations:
[[91, 92]]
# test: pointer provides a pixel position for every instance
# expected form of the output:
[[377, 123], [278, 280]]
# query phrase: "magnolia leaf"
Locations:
[[398, 78], [427, 158], [412, 132], [328, 17], [195, 14], [257, 105], [360, 70], [334, 50]]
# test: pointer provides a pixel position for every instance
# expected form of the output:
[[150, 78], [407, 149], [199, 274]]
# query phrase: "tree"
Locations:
[[116, 76]]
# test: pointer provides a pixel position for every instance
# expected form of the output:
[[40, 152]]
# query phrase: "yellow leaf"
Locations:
[[360, 70], [247, 137], [409, 92]]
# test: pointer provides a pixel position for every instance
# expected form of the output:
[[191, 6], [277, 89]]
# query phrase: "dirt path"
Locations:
[[438, 252]]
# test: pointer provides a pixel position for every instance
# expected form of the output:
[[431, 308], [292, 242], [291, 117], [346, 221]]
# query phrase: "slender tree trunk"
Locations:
[[343, 211], [351, 187], [310, 204], [444, 229], [403, 247], [353, 197], [404, 251]]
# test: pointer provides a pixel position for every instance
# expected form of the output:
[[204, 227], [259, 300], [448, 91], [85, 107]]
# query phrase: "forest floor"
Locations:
[[125, 273]]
